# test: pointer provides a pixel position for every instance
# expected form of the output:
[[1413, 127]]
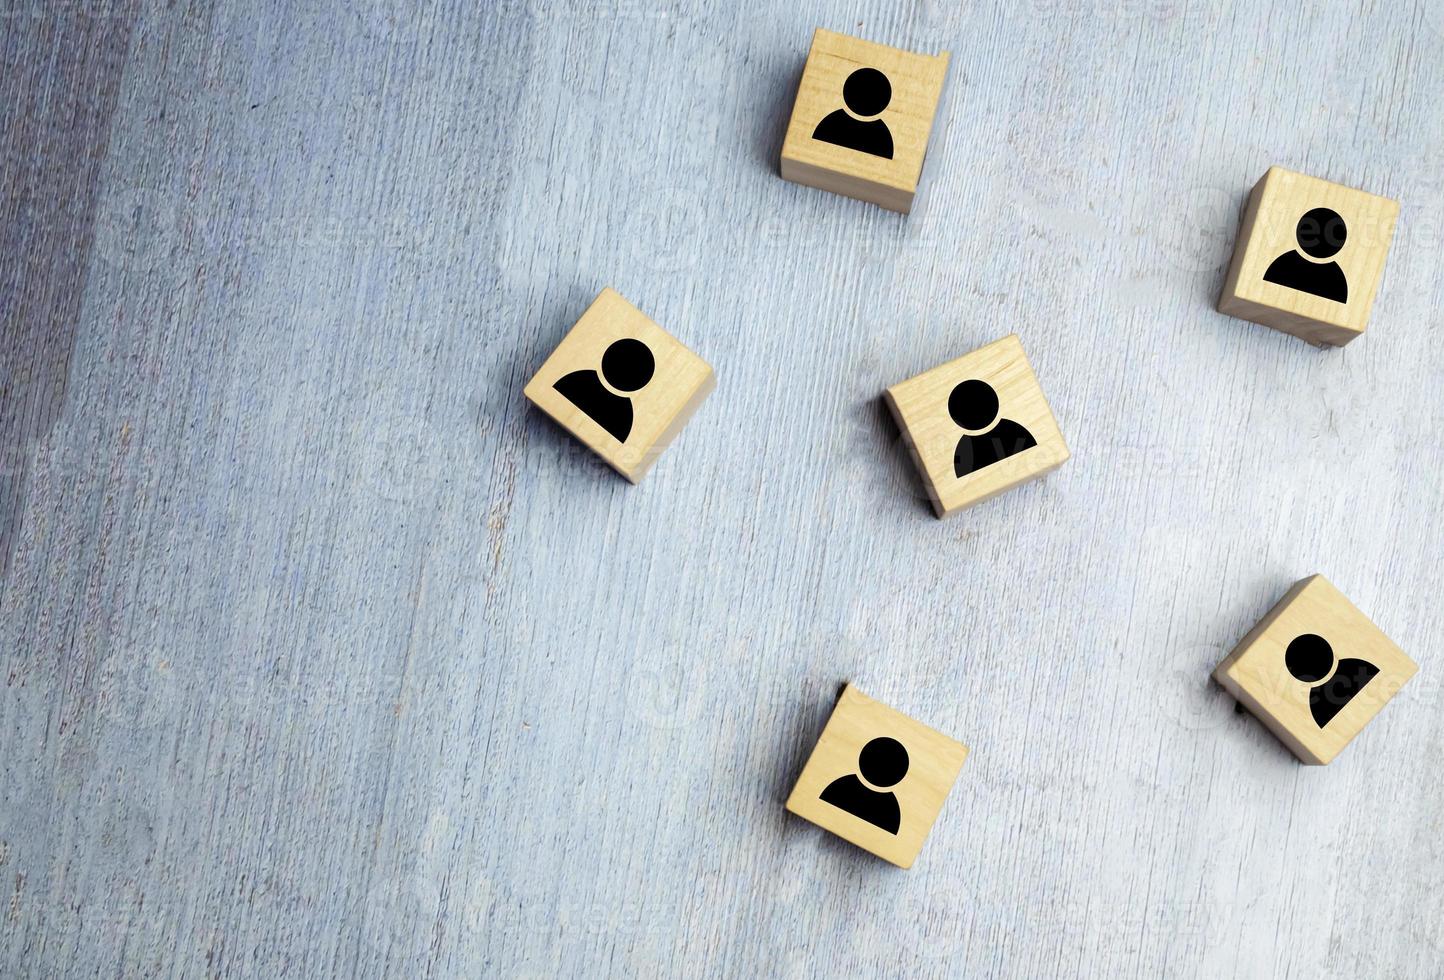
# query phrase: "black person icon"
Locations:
[[990, 439], [866, 93], [1321, 232], [882, 762], [627, 365], [1310, 658]]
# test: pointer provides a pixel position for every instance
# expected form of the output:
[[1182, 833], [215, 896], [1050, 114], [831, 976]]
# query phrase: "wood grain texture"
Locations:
[[914, 90], [1260, 674], [1009, 439], [326, 656], [659, 401], [916, 789], [1271, 230]]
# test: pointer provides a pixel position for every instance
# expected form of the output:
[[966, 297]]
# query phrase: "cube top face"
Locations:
[[1310, 257], [1315, 670], [621, 384], [877, 778], [862, 120], [977, 426]]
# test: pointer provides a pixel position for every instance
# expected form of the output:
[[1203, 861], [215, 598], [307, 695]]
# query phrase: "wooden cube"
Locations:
[[977, 426], [862, 119], [1315, 670], [1309, 257], [621, 384], [877, 778]]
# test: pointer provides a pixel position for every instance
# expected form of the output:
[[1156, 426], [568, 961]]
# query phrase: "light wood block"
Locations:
[[877, 778], [1315, 670], [862, 120], [621, 384], [1309, 257], [977, 426]]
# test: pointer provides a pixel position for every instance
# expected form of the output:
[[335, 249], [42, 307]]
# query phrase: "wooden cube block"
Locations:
[[621, 384], [1315, 670], [1309, 257], [977, 426], [862, 119], [877, 778]]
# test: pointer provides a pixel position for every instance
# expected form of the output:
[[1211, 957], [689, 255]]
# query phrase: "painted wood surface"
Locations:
[[325, 656]]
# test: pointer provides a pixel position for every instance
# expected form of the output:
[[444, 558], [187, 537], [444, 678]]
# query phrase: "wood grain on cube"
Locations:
[[948, 447], [1315, 670], [907, 107], [629, 418], [877, 778], [1314, 279]]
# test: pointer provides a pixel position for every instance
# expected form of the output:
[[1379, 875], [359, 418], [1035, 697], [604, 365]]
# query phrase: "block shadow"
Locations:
[[60, 98]]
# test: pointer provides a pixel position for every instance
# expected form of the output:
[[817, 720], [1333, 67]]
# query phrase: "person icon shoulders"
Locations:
[[1320, 234], [627, 366], [883, 762], [1310, 659], [989, 439], [866, 93]]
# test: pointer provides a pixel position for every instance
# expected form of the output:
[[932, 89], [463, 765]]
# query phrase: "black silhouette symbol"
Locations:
[[1310, 658], [1320, 233], [974, 406], [626, 366], [865, 93], [882, 762]]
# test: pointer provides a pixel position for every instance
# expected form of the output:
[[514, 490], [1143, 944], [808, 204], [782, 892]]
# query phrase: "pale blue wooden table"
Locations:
[[326, 656]]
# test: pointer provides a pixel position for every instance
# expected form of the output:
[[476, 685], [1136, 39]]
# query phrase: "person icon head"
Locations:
[[973, 405], [866, 93], [1320, 234], [987, 438], [627, 366], [882, 763], [1310, 659]]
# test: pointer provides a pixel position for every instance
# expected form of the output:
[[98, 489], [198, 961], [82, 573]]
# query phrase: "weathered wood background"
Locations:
[[325, 656]]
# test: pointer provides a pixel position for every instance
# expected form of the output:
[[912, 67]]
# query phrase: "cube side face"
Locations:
[[1298, 271], [991, 460], [846, 160], [1318, 716], [810, 175], [628, 426], [933, 761]]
